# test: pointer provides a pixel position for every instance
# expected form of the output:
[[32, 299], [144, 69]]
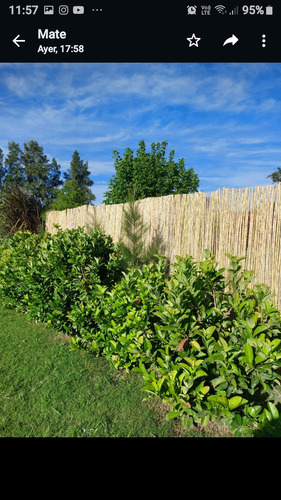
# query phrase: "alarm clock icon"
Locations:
[[191, 10]]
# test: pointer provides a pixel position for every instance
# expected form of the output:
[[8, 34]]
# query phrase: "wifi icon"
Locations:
[[220, 9]]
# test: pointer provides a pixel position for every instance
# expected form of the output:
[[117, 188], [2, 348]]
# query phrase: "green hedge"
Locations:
[[47, 276], [207, 344]]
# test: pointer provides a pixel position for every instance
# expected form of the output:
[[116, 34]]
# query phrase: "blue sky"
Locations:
[[224, 119]]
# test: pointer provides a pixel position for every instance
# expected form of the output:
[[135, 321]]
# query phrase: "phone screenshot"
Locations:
[[152, 130]]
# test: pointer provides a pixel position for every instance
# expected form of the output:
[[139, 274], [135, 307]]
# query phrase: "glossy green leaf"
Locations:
[[195, 344], [147, 345], [171, 388], [251, 323], [217, 381], [275, 343], [222, 400], [259, 358], [204, 420], [159, 332], [236, 401], [205, 389], [266, 348], [210, 330], [273, 410], [260, 329], [173, 414], [148, 388], [267, 414], [207, 254], [254, 410], [249, 353], [223, 344], [160, 361]]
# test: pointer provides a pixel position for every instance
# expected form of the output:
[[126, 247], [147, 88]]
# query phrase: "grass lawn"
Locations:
[[48, 391]]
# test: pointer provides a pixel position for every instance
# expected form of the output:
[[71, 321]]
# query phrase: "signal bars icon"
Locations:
[[222, 10]]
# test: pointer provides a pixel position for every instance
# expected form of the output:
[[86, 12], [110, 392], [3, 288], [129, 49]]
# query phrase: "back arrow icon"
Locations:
[[233, 39], [17, 42]]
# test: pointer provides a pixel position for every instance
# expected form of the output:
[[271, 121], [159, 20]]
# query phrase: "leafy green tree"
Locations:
[[41, 177], [123, 180], [76, 190], [151, 172], [13, 165], [186, 181], [276, 176], [143, 175], [53, 181]]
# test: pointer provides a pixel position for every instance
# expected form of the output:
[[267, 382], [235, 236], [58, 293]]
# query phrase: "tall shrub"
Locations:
[[134, 230]]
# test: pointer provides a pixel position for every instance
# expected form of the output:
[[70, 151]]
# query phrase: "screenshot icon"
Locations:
[[49, 10]]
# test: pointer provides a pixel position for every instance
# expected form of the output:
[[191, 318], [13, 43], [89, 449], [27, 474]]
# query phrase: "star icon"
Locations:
[[193, 40]]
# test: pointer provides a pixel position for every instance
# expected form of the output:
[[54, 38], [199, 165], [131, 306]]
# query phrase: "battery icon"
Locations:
[[269, 10]]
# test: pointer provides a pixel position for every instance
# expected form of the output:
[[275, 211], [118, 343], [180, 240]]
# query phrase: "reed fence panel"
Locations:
[[243, 222]]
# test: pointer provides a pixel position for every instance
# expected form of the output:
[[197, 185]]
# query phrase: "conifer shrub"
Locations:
[[134, 230]]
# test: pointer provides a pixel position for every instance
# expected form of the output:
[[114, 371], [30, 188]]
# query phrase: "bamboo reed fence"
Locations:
[[242, 222]]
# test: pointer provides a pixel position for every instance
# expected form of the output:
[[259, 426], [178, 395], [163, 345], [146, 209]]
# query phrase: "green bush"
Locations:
[[207, 345], [221, 346], [124, 317], [46, 276], [202, 339], [18, 254]]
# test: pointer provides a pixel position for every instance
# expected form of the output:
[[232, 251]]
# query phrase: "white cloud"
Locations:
[[211, 114], [97, 167], [212, 146]]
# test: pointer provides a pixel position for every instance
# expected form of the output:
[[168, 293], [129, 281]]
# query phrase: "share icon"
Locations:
[[233, 39]]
